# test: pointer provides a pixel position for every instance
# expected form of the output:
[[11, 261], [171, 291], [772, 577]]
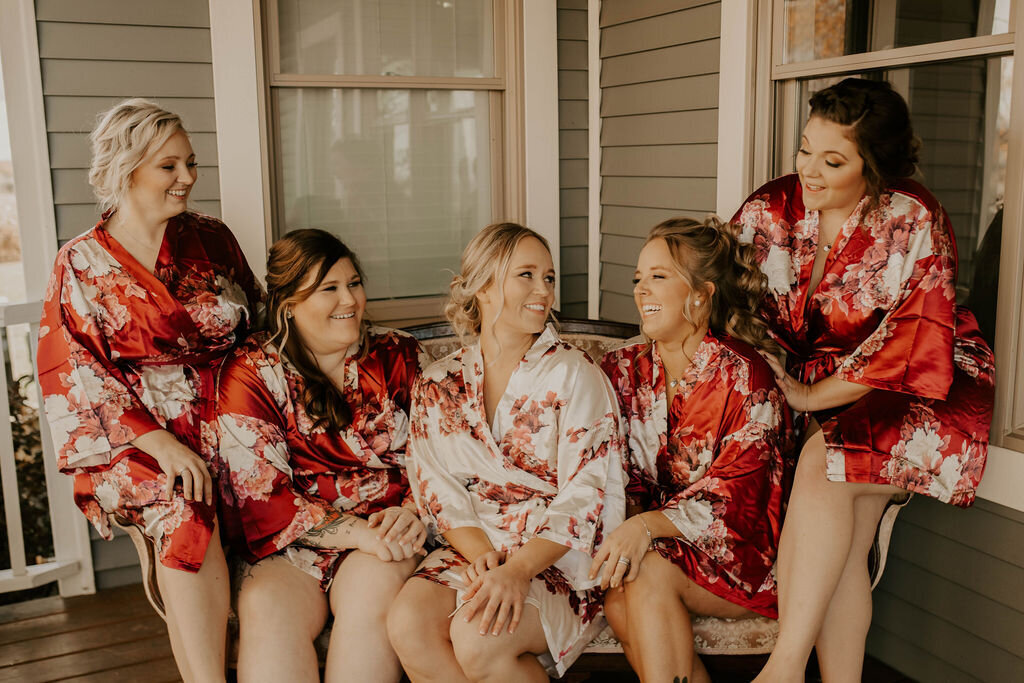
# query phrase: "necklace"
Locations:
[[672, 381]]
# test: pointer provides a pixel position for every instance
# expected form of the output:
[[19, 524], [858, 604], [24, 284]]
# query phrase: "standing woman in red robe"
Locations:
[[139, 313], [709, 436], [893, 378], [313, 418]]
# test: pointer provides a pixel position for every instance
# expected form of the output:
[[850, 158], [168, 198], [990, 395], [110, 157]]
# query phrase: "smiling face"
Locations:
[[521, 305], [831, 169], [663, 298], [161, 185], [330, 319]]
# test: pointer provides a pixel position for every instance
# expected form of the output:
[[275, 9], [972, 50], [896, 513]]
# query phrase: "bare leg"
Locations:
[[281, 610], [360, 596], [197, 614], [615, 613], [418, 626], [840, 643], [816, 543], [505, 657], [658, 608]]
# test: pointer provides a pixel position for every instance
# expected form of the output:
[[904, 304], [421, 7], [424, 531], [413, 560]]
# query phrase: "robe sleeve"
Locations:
[[90, 406], [732, 503], [620, 371], [590, 470], [442, 497], [911, 350], [269, 511]]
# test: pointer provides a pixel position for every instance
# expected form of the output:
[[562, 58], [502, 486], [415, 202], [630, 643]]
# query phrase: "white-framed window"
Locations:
[[394, 125], [953, 61]]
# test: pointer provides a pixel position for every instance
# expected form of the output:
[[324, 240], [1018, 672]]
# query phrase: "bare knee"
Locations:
[[268, 607], [409, 626], [479, 655], [615, 613]]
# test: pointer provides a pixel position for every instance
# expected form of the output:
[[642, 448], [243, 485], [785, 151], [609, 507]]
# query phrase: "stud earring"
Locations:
[[289, 315], [697, 301]]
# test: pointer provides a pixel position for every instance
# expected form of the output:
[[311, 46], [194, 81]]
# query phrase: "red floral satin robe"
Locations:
[[717, 462], [284, 474], [549, 467], [884, 315], [123, 351]]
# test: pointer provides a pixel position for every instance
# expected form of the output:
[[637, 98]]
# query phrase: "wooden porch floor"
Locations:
[[116, 636]]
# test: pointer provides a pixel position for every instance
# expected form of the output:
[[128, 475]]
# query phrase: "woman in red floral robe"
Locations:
[[139, 314], [515, 461], [893, 376], [313, 422], [709, 436]]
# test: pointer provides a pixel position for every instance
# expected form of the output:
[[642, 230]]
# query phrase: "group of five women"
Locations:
[[473, 518]]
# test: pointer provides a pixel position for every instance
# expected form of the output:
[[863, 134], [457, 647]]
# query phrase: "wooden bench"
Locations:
[[712, 636]]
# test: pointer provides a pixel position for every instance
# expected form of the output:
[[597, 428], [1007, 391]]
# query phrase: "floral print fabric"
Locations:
[[284, 474], [549, 467], [884, 315], [123, 351], [717, 462]]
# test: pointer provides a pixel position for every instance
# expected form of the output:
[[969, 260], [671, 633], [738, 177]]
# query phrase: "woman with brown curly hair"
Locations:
[[892, 377], [516, 464], [708, 435], [313, 417]]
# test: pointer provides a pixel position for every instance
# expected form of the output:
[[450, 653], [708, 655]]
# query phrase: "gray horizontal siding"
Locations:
[[95, 54], [950, 605], [659, 128], [573, 145]]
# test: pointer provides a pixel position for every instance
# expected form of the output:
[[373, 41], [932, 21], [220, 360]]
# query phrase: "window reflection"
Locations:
[[402, 176], [819, 29]]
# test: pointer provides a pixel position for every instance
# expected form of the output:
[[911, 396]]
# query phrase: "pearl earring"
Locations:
[[289, 315]]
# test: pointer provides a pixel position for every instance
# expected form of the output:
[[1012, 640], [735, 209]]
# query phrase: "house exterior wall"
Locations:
[[573, 155], [659, 115], [93, 55], [950, 606]]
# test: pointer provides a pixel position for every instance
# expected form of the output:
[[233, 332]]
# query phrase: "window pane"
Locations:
[[402, 176], [12, 277], [387, 37], [817, 29], [961, 112]]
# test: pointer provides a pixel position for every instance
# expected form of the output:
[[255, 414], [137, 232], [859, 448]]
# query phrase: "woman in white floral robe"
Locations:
[[516, 462]]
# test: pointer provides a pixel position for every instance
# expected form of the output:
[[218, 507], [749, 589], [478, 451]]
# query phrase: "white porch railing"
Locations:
[[71, 565]]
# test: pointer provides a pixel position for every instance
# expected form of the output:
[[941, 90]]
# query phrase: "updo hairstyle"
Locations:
[[709, 252], [292, 258], [120, 142], [880, 127], [485, 260]]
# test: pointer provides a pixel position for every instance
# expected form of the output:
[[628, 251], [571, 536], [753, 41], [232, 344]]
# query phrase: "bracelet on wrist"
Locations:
[[650, 536]]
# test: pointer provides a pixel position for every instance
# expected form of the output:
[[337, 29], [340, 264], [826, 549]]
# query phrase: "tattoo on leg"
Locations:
[[677, 679], [332, 526]]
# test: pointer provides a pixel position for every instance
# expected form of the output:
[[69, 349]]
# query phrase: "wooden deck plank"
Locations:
[[79, 613], [83, 639], [103, 659], [156, 671], [31, 608]]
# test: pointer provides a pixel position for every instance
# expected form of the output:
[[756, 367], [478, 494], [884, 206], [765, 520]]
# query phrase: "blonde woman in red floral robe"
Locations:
[[313, 424], [710, 461], [515, 461], [893, 377], [139, 314]]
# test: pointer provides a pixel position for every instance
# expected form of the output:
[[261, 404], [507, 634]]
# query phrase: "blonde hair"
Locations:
[[709, 252], [120, 142], [486, 259]]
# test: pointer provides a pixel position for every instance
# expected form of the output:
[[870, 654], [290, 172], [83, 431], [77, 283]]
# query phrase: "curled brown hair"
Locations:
[[709, 252], [880, 127], [485, 260], [292, 258]]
